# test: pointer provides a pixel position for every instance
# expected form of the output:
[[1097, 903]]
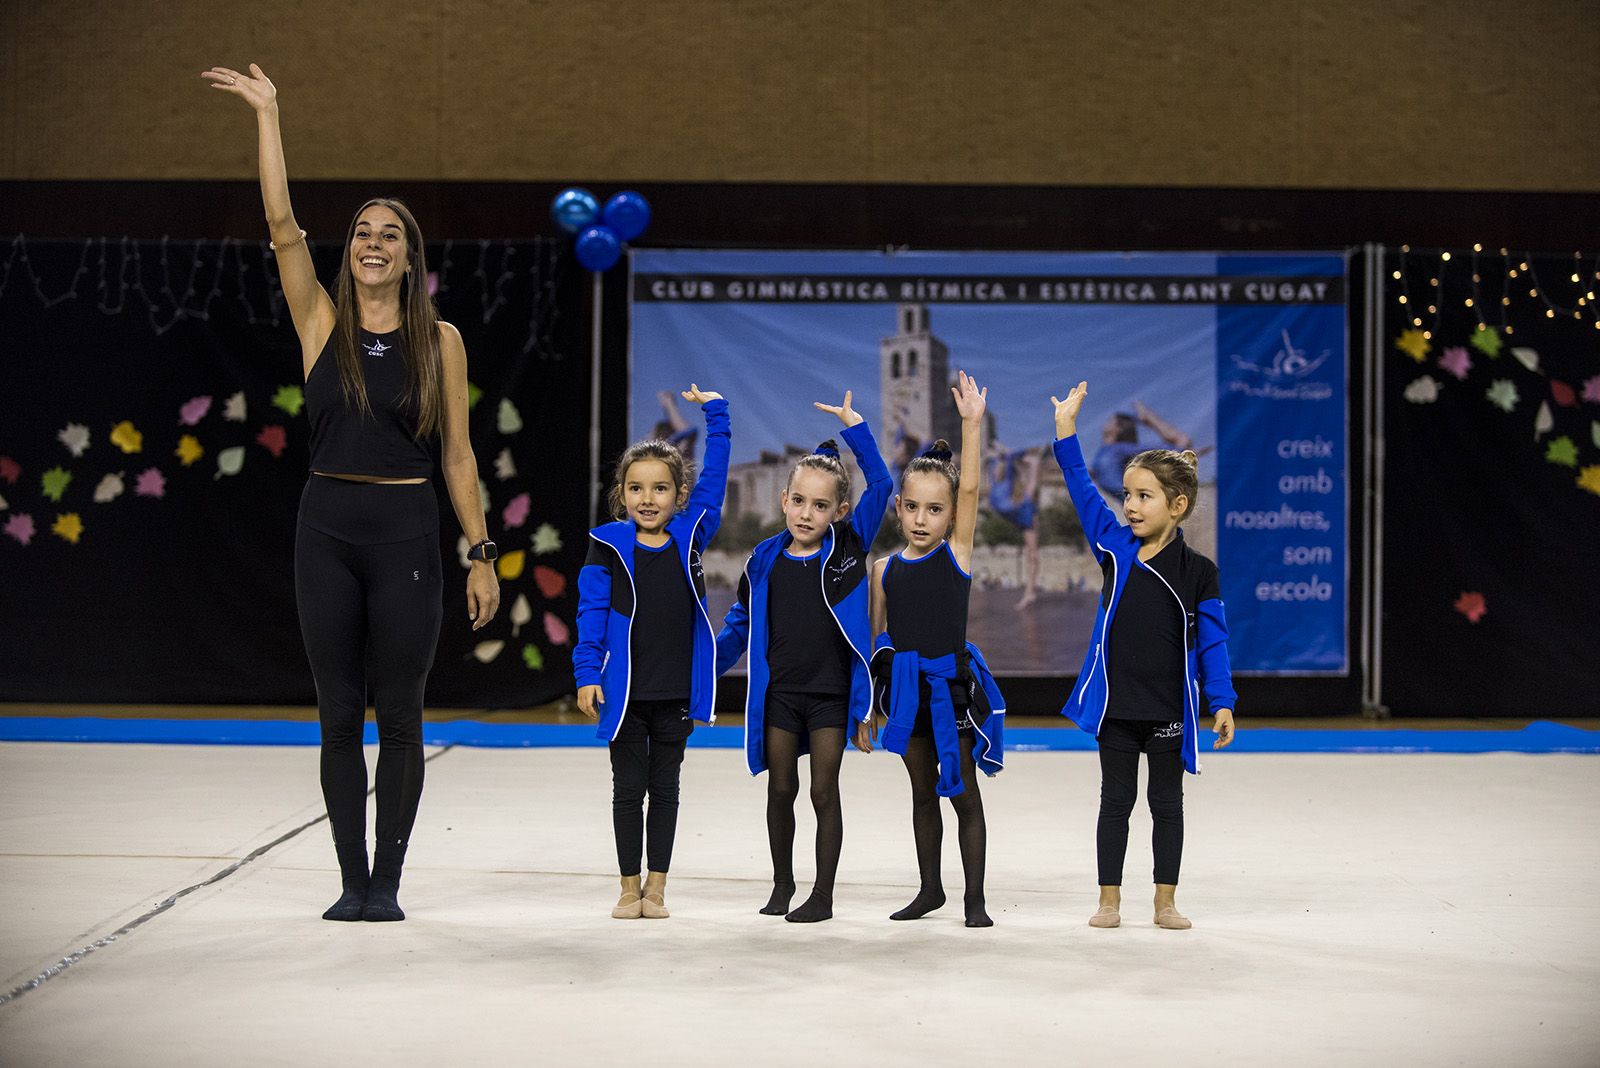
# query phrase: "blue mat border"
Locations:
[[1539, 737]]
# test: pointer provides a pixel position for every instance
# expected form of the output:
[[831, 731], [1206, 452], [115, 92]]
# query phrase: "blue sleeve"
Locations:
[[1216, 675], [712, 484], [1097, 519], [594, 610], [735, 634], [867, 515]]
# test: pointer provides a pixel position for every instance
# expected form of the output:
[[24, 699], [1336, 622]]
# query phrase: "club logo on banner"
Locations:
[[1242, 359]]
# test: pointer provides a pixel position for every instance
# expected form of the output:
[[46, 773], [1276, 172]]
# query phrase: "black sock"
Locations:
[[383, 904], [977, 914], [818, 907], [927, 899], [353, 873], [778, 903]]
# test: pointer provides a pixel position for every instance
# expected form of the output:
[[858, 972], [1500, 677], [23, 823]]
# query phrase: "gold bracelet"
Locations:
[[276, 247]]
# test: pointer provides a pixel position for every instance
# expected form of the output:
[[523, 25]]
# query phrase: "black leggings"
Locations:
[[647, 758], [370, 616], [927, 825], [783, 788], [1121, 742]]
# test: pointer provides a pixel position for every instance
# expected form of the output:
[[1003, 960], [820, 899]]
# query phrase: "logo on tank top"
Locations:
[[377, 348]]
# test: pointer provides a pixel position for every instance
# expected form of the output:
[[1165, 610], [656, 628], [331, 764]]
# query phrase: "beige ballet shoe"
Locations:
[[1106, 916], [1171, 920], [630, 904], [654, 904]]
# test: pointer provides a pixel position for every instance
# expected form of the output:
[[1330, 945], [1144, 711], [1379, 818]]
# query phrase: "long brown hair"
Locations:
[[1178, 474], [419, 326], [648, 449]]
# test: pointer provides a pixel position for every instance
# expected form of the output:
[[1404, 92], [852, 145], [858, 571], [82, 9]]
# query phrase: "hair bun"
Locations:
[[939, 450], [827, 448], [1190, 457]]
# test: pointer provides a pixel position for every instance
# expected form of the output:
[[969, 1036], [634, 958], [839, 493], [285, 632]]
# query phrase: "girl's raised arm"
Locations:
[[309, 304], [970, 402]]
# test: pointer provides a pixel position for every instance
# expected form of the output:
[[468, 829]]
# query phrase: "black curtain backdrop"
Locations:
[[1490, 571], [177, 586]]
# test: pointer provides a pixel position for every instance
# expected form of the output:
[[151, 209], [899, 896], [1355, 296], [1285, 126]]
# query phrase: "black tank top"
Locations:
[[926, 601], [382, 445]]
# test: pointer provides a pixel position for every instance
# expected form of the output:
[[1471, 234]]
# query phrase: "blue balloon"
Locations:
[[598, 248], [573, 209], [627, 213]]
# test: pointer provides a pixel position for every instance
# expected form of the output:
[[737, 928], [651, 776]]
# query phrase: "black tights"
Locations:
[[783, 788], [370, 616], [927, 825]]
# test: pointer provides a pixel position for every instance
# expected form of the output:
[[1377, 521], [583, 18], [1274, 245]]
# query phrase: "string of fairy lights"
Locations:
[[171, 293], [1509, 277]]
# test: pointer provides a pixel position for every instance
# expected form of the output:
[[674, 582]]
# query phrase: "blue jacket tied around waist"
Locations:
[[1193, 582], [846, 546], [606, 591], [900, 694]]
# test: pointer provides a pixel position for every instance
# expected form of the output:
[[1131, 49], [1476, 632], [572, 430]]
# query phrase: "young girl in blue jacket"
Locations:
[[646, 653], [945, 715], [1160, 647], [802, 611]]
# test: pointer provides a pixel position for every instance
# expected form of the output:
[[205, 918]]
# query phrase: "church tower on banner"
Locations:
[[915, 378]]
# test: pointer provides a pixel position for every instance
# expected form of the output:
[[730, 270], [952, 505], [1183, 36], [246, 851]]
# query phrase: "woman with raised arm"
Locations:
[[383, 377]]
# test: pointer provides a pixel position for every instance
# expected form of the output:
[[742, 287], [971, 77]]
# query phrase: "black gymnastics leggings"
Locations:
[[927, 825], [647, 758], [783, 788], [1121, 742], [369, 583]]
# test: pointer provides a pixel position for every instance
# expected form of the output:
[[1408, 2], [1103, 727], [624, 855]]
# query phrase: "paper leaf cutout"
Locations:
[[189, 450], [1563, 394], [521, 613], [10, 470], [1424, 390], [433, 283], [289, 398], [1588, 478], [516, 512], [1502, 394], [234, 408], [474, 395], [20, 527], [109, 489], [1563, 451], [1487, 340], [229, 461], [509, 566], [1471, 604], [483, 495], [504, 466], [127, 437], [547, 539], [3, 504], [551, 582], [194, 411], [1544, 422], [273, 439], [487, 651], [1594, 434], [1527, 357], [1413, 344], [1456, 361], [463, 547], [152, 483], [53, 483], [510, 420], [1591, 393], [75, 436], [68, 526], [533, 658], [556, 630]]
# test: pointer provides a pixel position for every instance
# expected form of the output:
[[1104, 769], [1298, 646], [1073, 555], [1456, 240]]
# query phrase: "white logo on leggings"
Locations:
[[1170, 730]]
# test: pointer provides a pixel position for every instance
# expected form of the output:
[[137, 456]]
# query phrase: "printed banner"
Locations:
[[1242, 359]]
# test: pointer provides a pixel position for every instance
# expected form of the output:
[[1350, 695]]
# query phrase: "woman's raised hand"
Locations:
[[847, 415], [255, 88], [694, 393], [970, 400], [1067, 410]]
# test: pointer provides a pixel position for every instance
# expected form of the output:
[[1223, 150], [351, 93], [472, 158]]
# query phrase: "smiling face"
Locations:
[[1150, 514], [650, 495], [810, 503], [379, 251], [925, 508]]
